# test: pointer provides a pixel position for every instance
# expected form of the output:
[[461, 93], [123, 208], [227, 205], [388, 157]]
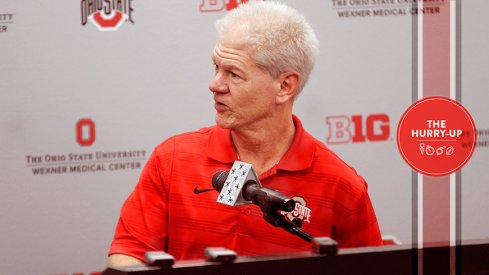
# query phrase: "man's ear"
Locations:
[[289, 85]]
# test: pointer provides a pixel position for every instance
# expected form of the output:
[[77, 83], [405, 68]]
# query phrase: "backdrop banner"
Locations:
[[89, 88]]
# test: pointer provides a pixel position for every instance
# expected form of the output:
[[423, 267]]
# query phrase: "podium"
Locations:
[[471, 258]]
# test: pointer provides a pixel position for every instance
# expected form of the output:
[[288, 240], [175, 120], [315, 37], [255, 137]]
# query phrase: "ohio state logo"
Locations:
[[343, 129], [85, 132], [301, 212], [106, 15], [219, 5]]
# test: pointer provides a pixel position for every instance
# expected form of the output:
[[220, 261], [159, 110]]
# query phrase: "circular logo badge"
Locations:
[[436, 136]]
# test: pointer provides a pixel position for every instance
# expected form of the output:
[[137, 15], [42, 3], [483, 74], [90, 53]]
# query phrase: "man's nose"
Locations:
[[218, 84]]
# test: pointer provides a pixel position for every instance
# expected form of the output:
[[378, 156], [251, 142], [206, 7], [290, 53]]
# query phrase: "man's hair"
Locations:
[[280, 38]]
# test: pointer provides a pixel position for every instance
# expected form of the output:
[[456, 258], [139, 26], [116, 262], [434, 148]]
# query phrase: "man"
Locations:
[[263, 57]]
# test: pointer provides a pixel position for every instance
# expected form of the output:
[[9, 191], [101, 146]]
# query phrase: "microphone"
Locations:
[[241, 186]]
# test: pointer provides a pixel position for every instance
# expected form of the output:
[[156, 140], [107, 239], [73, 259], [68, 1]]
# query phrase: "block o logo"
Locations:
[[433, 135], [85, 132], [106, 15], [108, 22]]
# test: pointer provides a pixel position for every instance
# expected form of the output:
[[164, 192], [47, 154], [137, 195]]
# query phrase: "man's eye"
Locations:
[[233, 75]]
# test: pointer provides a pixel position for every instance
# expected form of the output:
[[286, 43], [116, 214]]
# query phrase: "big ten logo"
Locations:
[[85, 132], [344, 129], [219, 5]]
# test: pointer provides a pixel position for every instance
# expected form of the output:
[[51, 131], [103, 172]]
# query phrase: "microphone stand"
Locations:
[[270, 201], [321, 245], [277, 220], [269, 207]]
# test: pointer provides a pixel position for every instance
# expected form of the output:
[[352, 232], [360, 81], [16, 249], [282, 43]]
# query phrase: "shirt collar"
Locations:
[[301, 152], [298, 157], [221, 147]]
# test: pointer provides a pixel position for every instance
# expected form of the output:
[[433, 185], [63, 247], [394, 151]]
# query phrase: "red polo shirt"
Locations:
[[165, 213]]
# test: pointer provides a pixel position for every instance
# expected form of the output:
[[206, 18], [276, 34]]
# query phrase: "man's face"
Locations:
[[243, 93]]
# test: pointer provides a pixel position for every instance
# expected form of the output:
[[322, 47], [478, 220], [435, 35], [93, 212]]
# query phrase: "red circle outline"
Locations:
[[423, 100]]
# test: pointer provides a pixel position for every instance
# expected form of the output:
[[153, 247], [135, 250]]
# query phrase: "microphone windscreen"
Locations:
[[219, 179]]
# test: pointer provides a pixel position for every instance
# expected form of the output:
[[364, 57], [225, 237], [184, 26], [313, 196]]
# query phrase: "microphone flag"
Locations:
[[240, 173]]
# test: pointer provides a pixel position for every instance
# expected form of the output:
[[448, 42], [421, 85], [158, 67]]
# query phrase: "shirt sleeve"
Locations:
[[142, 225], [356, 224]]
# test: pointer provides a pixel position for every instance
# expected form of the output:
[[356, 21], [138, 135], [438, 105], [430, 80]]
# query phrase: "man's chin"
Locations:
[[223, 125], [223, 122]]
